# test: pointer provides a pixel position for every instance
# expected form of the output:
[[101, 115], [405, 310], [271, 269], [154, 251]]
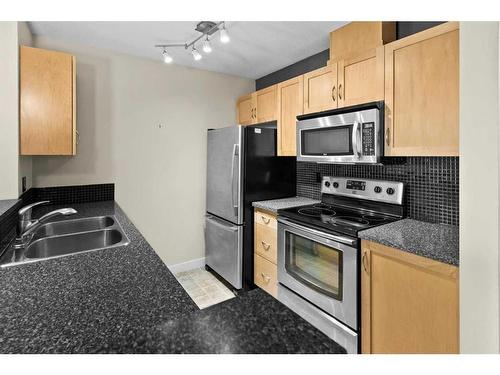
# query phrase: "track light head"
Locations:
[[207, 48], [196, 55]]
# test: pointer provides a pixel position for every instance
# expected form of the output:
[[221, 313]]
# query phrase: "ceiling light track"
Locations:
[[206, 28]]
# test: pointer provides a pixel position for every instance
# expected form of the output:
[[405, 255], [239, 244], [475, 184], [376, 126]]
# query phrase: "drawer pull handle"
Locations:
[[363, 261], [388, 136], [340, 91], [266, 220], [265, 245], [265, 277], [333, 92]]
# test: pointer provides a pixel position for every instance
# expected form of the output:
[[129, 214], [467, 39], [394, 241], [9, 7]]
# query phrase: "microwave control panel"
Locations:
[[368, 138]]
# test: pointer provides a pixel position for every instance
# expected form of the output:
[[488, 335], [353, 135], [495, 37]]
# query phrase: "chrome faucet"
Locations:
[[26, 227]]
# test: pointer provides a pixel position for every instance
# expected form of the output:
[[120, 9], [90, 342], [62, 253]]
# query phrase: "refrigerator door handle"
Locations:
[[235, 153]]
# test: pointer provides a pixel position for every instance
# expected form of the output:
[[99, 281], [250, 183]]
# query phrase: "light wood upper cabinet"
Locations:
[[290, 105], [47, 102], [257, 107], [320, 89], [245, 109], [361, 78], [422, 93], [409, 304], [360, 36], [266, 104]]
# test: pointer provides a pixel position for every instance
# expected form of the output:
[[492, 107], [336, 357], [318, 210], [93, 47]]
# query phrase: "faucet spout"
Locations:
[[24, 237]]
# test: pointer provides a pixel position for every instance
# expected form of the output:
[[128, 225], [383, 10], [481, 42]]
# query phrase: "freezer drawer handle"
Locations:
[[215, 221], [233, 200]]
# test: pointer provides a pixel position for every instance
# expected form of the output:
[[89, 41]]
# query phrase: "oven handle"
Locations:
[[341, 239]]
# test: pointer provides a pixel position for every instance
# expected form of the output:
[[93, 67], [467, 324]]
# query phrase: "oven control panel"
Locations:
[[376, 190]]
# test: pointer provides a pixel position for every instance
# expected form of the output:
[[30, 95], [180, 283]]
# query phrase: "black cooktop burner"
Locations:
[[351, 220], [316, 212]]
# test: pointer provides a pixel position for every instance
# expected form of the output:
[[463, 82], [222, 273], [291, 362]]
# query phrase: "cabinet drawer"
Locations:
[[265, 275], [262, 217], [265, 242]]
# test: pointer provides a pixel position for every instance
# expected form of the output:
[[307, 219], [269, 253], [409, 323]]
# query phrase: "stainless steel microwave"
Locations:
[[346, 135]]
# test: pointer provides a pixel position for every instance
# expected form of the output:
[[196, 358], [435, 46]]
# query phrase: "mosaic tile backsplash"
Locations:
[[431, 183]]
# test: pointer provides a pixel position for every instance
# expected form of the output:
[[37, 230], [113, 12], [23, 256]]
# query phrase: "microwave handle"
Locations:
[[355, 144]]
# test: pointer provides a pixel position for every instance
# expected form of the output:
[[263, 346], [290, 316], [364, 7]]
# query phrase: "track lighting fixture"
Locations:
[[224, 36], [207, 48], [196, 55], [166, 57], [207, 29]]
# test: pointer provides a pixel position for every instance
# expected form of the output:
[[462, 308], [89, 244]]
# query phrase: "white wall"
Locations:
[[159, 172], [479, 187], [9, 133]]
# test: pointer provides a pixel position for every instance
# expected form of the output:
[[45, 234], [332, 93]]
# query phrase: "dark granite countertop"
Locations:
[[274, 205], [126, 300], [7, 204], [433, 241]]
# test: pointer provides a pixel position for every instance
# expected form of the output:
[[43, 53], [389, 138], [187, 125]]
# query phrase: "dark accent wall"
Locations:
[[404, 28], [431, 183], [319, 60], [303, 66]]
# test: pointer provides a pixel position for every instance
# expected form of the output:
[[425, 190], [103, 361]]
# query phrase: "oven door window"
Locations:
[[314, 264], [334, 141]]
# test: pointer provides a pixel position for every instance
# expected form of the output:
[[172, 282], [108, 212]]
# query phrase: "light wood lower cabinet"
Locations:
[[422, 93], [409, 303], [265, 251], [47, 90], [290, 105]]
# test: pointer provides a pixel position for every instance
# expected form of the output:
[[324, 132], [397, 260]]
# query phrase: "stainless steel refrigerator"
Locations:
[[242, 167]]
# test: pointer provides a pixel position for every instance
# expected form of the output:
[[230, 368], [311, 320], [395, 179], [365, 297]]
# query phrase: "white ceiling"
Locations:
[[256, 48]]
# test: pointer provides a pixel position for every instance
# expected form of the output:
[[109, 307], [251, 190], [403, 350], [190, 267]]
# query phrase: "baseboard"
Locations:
[[186, 266]]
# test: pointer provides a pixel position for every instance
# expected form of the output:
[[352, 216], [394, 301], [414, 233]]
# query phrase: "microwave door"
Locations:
[[336, 142]]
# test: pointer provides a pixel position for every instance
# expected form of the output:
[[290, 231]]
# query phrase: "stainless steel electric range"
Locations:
[[319, 252]]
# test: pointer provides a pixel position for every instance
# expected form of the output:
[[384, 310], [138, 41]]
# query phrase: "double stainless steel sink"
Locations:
[[68, 237]]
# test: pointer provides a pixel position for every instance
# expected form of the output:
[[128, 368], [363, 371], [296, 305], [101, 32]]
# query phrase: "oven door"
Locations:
[[340, 138], [321, 268]]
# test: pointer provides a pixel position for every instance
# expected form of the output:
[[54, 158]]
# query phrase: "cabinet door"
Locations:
[[245, 110], [320, 89], [361, 78], [421, 93], [409, 304], [266, 104], [290, 102], [47, 102]]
